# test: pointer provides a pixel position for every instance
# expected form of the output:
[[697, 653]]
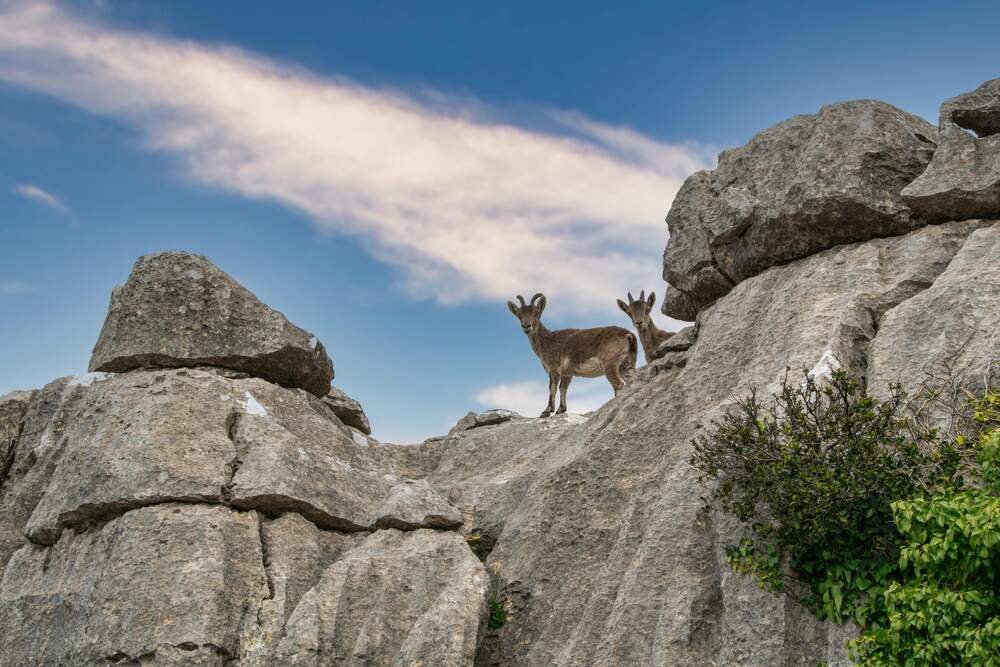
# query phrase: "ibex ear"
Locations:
[[513, 309], [623, 306], [651, 300]]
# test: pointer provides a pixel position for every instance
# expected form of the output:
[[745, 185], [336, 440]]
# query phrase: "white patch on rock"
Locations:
[[359, 438], [824, 368], [313, 342], [193, 274], [88, 379], [251, 405]]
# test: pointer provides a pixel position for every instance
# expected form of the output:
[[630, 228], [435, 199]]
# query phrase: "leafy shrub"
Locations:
[[945, 607], [814, 473]]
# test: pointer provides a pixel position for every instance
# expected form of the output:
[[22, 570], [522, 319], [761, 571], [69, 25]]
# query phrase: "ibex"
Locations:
[[650, 335], [569, 353]]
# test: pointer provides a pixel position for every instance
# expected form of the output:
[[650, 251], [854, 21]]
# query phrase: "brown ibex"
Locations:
[[650, 335], [569, 353]]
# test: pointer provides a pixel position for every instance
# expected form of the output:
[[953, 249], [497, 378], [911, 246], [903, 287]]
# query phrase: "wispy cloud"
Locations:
[[13, 287], [529, 398], [37, 194], [467, 206]]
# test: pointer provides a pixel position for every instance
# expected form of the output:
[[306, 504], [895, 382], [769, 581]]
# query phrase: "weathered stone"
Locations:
[[13, 407], [160, 585], [950, 331], [963, 179], [806, 184], [414, 504], [178, 310], [608, 520], [400, 598], [680, 341], [489, 418], [348, 410]]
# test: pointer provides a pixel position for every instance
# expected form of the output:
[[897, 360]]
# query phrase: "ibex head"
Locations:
[[529, 314], [638, 309]]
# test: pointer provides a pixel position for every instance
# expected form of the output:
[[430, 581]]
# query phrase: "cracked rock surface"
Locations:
[[178, 309], [806, 184]]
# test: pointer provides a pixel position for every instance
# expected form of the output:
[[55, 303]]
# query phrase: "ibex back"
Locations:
[[569, 353]]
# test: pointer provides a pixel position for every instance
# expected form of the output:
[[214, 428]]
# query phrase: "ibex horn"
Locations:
[[536, 297], [630, 299], [521, 299], [642, 295]]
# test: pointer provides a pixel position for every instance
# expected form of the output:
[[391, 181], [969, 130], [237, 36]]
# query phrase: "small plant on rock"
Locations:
[[496, 603]]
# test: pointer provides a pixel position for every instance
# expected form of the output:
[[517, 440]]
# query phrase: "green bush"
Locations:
[[861, 511]]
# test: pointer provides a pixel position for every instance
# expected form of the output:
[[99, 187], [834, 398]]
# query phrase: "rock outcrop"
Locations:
[[209, 503], [178, 310], [804, 185], [963, 179], [348, 410]]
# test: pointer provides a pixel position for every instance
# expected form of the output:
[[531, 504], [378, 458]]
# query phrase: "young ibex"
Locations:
[[650, 335], [566, 353]]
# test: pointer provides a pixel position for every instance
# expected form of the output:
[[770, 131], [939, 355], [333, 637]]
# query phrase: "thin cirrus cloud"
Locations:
[[39, 195], [464, 205]]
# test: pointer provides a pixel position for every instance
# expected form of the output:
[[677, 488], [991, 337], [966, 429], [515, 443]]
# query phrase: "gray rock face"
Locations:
[[161, 585], [603, 516], [414, 504], [806, 184], [963, 179], [412, 598], [477, 419], [951, 328], [348, 410], [13, 407], [178, 310]]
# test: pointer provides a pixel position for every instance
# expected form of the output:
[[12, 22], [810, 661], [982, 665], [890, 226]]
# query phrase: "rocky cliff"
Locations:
[[203, 498]]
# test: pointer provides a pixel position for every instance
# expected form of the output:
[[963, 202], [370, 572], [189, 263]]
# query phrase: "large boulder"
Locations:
[[963, 179], [801, 186], [178, 310], [13, 407], [603, 549], [347, 410], [412, 598]]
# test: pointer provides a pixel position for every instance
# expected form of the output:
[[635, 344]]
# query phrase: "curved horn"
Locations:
[[536, 298], [630, 299], [521, 299]]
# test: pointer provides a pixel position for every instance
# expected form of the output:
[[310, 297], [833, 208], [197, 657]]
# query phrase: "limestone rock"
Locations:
[[680, 341], [13, 406], [963, 179], [806, 184], [400, 598], [951, 328], [178, 310], [489, 418], [414, 504], [158, 585], [610, 522], [348, 410]]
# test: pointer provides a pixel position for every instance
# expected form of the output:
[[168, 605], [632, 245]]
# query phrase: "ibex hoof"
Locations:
[[545, 414], [561, 410]]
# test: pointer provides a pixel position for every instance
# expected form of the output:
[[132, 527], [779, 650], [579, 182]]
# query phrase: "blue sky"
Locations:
[[388, 174]]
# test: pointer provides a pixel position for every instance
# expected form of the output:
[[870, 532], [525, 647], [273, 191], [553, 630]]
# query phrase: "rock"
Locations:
[[950, 329], [347, 410], [680, 341], [160, 585], [801, 186], [178, 310], [605, 518], [13, 407], [414, 504], [489, 418], [400, 598], [963, 179]]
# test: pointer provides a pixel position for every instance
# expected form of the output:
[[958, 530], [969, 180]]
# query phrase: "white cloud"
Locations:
[[37, 194], [529, 398], [13, 287], [465, 205]]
